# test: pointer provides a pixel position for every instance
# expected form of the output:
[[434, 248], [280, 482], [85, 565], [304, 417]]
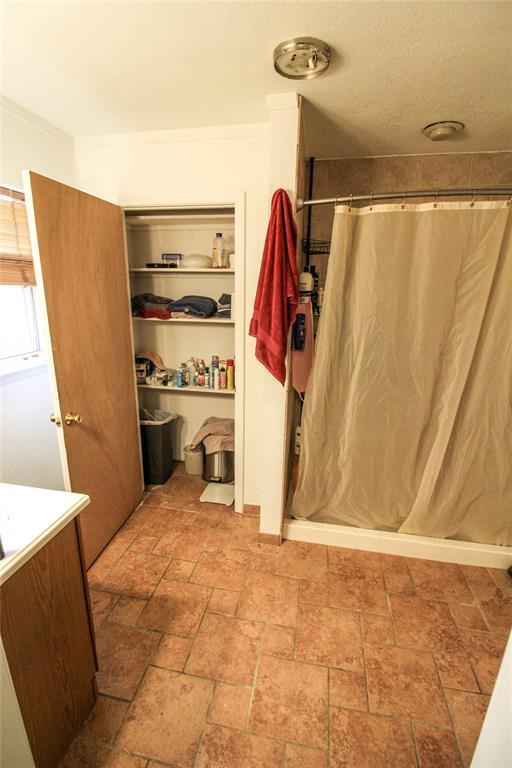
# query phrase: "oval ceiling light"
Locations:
[[301, 58], [445, 129]]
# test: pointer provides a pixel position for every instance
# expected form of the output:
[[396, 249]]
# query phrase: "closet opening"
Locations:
[[187, 339]]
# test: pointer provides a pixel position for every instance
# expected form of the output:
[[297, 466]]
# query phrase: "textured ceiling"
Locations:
[[109, 67]]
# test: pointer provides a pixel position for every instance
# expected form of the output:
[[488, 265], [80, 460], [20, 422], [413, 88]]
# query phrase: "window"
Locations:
[[19, 336]]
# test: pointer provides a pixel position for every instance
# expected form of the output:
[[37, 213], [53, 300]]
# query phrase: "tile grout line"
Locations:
[[365, 672], [450, 716]]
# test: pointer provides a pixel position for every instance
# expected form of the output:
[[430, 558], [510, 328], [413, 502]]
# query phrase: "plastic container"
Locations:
[[156, 438], [220, 258], [230, 370], [219, 467], [193, 460]]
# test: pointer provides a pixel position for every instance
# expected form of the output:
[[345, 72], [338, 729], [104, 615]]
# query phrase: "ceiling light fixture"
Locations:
[[301, 58], [445, 129]]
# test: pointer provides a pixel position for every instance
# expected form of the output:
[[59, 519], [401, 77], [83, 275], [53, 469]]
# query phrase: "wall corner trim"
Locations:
[[20, 113], [276, 101]]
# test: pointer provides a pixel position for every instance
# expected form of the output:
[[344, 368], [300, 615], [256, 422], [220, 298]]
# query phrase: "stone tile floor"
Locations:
[[217, 651]]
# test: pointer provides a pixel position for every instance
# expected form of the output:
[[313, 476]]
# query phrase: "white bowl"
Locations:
[[196, 261]]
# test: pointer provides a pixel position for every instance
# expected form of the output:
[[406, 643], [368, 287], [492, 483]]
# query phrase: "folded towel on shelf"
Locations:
[[193, 306], [224, 305], [148, 305], [156, 314], [216, 434]]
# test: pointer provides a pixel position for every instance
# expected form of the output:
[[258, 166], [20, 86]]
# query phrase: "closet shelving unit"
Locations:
[[190, 229]]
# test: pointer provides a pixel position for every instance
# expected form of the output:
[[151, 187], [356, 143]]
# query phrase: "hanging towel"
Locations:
[[302, 359], [277, 295]]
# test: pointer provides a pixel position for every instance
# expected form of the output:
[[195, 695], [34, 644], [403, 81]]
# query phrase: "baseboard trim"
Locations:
[[270, 538], [253, 510], [388, 542]]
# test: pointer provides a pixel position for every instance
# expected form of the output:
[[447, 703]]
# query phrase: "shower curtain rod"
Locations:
[[404, 195]]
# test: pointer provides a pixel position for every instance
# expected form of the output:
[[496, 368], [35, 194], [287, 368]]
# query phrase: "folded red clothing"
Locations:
[[160, 314]]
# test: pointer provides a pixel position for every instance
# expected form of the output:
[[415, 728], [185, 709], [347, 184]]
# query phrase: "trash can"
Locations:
[[156, 429], [219, 467], [193, 459]]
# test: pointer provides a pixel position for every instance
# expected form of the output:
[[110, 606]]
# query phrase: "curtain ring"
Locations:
[[509, 201], [403, 201], [350, 203], [435, 199], [472, 203], [371, 201], [336, 201]]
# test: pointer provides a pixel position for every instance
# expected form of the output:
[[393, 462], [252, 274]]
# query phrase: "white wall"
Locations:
[[28, 443], [143, 168], [29, 143], [494, 747]]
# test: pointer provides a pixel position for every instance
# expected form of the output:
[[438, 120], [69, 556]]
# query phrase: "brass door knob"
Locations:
[[55, 420], [72, 418]]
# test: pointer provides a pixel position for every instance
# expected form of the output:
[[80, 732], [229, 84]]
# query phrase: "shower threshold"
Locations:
[[404, 544]]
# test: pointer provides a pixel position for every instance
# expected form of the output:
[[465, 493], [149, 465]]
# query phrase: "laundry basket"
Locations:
[[156, 428], [219, 467]]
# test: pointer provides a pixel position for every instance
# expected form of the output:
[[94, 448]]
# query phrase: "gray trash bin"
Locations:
[[219, 467], [156, 439]]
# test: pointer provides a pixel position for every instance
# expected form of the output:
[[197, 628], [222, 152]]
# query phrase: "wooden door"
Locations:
[[79, 257]]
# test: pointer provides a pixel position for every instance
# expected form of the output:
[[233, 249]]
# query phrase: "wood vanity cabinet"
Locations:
[[49, 644]]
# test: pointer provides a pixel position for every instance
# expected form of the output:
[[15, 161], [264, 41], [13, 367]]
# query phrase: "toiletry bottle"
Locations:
[[230, 370], [191, 370], [316, 283], [219, 252], [222, 375], [207, 377], [306, 285], [216, 378]]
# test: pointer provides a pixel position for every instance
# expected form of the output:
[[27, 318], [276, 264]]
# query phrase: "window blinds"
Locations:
[[16, 266]]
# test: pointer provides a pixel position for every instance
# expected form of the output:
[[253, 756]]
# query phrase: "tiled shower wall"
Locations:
[[363, 175]]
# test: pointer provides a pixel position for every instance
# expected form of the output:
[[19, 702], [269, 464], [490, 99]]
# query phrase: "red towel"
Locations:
[[277, 295]]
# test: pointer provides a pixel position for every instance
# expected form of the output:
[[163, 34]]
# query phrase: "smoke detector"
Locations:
[[301, 58], [445, 129]]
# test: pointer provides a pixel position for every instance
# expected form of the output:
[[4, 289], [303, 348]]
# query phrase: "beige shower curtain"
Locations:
[[407, 421]]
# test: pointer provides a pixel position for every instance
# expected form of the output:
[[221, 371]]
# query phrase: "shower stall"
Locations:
[[407, 416]]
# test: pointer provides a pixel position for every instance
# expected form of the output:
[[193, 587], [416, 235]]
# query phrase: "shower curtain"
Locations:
[[407, 421]]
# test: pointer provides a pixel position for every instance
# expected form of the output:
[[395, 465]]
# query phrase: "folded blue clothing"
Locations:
[[224, 305], [195, 306]]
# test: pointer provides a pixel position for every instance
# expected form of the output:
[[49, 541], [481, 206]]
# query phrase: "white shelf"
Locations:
[[166, 272], [192, 320], [191, 389]]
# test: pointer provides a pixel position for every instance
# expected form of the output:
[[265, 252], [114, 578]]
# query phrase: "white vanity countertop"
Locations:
[[29, 518]]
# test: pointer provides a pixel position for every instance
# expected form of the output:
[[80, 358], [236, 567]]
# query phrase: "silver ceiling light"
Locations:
[[301, 58], [445, 129]]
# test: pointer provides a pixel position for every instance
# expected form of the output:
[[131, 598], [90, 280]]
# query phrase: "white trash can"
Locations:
[[193, 460]]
